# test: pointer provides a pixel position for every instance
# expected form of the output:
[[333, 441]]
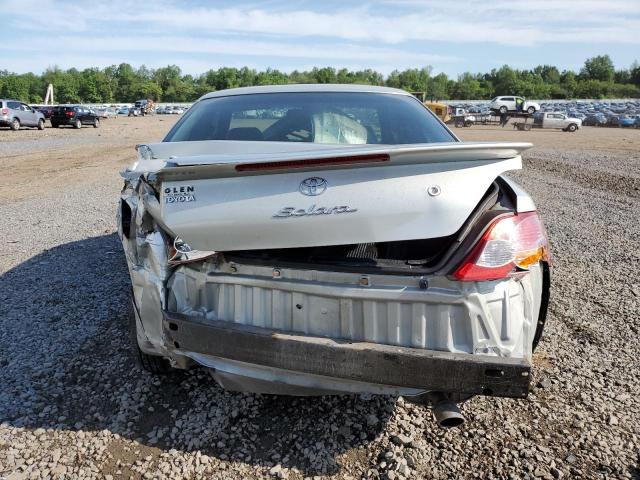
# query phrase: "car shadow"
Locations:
[[68, 364]]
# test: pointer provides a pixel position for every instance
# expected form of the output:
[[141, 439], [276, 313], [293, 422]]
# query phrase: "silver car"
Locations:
[[322, 239], [15, 114]]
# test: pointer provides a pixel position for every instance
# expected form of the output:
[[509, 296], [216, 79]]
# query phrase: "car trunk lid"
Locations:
[[226, 196]]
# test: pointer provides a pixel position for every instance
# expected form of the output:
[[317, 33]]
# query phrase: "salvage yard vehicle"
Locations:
[[549, 120], [462, 118], [513, 104], [323, 239], [15, 114], [73, 115], [144, 107]]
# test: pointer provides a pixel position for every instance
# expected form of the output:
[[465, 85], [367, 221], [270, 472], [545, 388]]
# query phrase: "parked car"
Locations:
[[549, 120], [74, 115], [462, 118], [513, 104], [15, 114], [595, 121], [613, 121], [108, 112], [46, 110], [123, 111], [439, 293], [626, 121], [134, 112], [144, 107]]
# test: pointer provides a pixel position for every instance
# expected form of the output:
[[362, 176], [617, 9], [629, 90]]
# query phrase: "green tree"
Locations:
[[598, 68]]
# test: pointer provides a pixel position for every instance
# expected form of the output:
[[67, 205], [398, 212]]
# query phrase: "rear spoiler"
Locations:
[[219, 159]]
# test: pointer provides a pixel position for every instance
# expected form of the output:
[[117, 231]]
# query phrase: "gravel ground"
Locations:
[[75, 404]]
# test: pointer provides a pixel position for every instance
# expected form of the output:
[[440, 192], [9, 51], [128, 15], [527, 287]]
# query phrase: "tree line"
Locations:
[[598, 78]]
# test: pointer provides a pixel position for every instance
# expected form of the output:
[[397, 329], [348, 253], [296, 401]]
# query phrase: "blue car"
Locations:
[[627, 121], [123, 111]]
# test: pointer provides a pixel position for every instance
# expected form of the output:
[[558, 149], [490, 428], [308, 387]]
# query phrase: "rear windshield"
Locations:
[[63, 109], [323, 117]]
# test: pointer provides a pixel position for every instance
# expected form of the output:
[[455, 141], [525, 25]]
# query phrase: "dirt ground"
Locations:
[[36, 162]]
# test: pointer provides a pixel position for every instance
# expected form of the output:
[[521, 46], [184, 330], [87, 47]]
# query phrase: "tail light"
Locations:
[[5, 111], [511, 244], [69, 114]]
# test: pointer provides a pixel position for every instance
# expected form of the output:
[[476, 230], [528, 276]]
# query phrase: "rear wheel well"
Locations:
[[544, 303]]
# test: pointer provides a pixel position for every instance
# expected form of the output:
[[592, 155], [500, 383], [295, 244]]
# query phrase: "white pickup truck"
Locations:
[[550, 120]]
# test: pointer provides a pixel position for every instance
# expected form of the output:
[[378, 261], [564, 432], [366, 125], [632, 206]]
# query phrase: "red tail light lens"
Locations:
[[5, 111], [69, 114], [509, 245]]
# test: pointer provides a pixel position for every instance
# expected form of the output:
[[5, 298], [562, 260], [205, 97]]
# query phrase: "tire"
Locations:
[[96, 123], [459, 124], [154, 364], [572, 128], [502, 109], [526, 127], [151, 363], [15, 124], [77, 124], [40, 124], [531, 110]]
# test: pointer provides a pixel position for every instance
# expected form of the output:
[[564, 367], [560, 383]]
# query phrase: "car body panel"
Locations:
[[311, 328], [373, 204]]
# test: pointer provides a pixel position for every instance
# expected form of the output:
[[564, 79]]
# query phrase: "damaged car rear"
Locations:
[[323, 239]]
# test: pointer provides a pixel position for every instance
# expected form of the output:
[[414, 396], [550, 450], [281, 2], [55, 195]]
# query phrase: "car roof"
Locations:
[[303, 88]]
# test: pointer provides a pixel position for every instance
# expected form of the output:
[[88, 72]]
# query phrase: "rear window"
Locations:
[[322, 117], [63, 109]]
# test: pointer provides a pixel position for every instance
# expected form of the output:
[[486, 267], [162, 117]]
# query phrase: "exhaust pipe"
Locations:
[[446, 412]]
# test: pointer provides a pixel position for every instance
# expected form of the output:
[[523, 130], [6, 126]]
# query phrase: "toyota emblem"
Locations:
[[313, 186]]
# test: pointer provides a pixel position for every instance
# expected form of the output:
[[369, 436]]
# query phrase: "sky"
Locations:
[[452, 36]]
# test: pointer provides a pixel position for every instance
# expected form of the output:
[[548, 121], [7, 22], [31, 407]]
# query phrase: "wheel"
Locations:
[[151, 363], [527, 127], [459, 124], [572, 128], [503, 109], [41, 124], [96, 123], [531, 110], [15, 124], [467, 123], [77, 124]]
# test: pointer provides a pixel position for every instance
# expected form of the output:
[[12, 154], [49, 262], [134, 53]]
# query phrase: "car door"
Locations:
[[554, 120], [85, 115], [17, 110], [509, 102], [30, 117]]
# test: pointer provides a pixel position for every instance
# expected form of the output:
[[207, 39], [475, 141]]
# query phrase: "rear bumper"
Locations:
[[371, 363]]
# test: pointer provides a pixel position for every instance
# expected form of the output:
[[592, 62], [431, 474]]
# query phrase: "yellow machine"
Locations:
[[442, 111]]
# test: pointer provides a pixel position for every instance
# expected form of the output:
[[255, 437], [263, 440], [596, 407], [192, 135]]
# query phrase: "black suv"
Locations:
[[75, 115]]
